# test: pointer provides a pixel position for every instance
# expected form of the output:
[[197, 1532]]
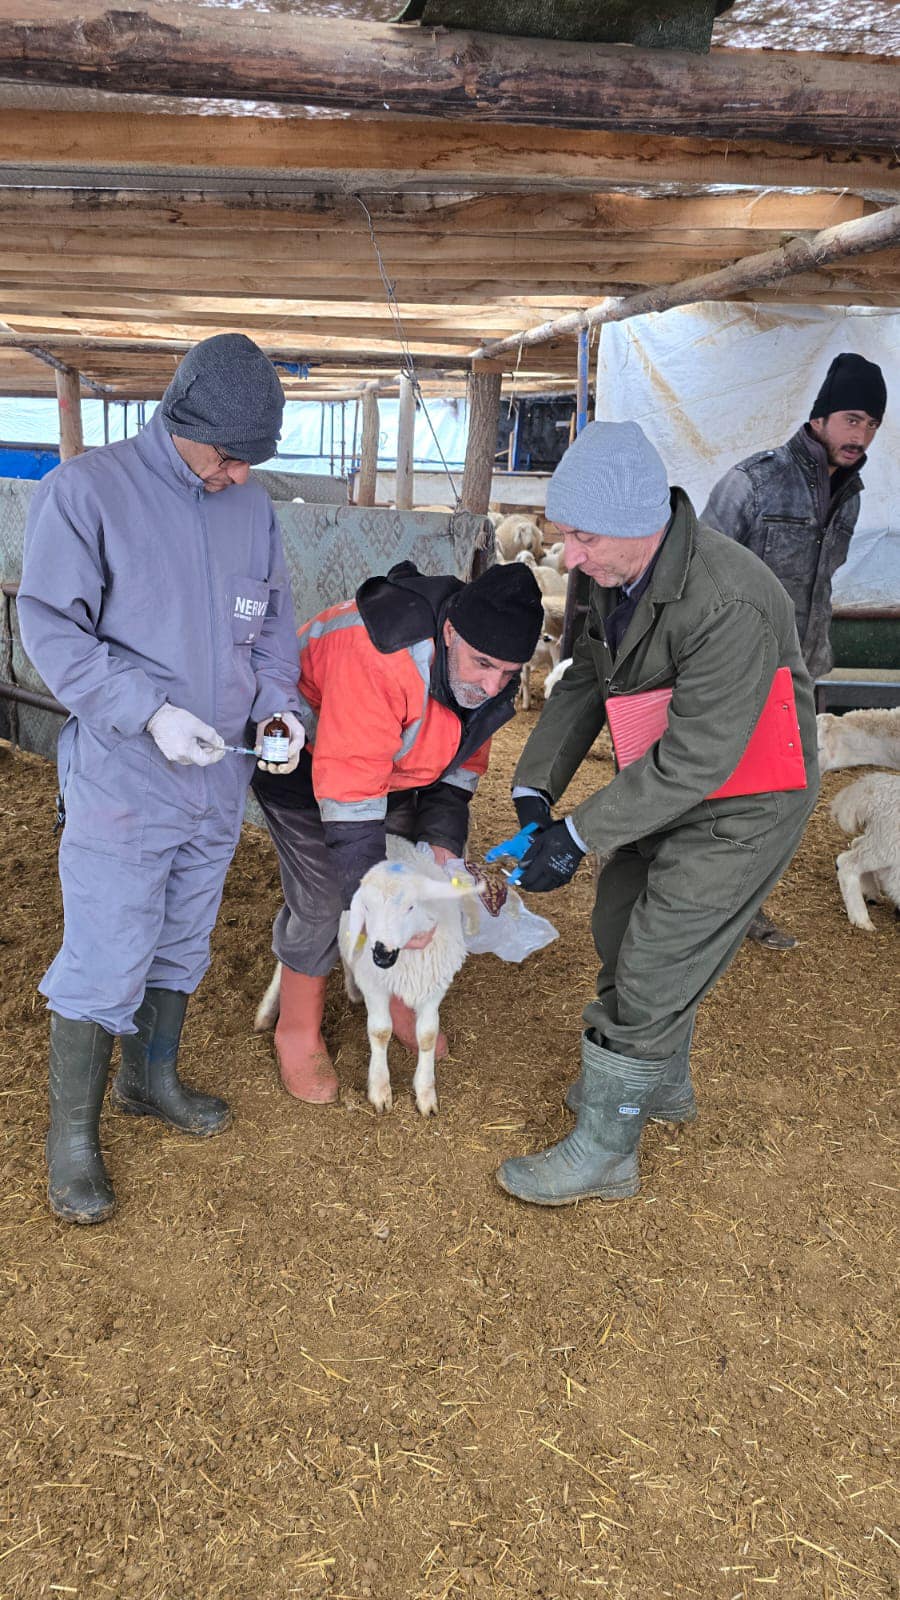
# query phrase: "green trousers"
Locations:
[[671, 913]]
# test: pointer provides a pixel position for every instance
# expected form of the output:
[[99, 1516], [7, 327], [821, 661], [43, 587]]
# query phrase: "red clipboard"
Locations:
[[773, 760]]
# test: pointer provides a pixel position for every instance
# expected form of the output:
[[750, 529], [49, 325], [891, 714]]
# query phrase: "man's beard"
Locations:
[[468, 696]]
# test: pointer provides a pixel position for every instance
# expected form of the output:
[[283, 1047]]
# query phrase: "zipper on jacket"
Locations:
[[210, 607]]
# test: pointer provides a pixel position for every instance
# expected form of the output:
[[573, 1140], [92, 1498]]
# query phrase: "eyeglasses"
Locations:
[[228, 461]]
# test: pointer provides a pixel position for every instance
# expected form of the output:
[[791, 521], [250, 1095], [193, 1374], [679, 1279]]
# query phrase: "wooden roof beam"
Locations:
[[178, 210], [773, 266], [78, 346], [171, 47], [408, 155]]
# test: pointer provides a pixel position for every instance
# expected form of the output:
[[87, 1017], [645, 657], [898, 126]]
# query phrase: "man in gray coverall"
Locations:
[[796, 508], [673, 605], [157, 608]]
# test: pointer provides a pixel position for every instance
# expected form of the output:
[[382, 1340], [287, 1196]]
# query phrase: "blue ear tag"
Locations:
[[629, 1111]]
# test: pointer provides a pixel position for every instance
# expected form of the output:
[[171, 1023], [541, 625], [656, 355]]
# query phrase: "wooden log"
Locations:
[[320, 156], [406, 427], [368, 454], [346, 355], [68, 396], [174, 47], [481, 442], [184, 207], [833, 244]]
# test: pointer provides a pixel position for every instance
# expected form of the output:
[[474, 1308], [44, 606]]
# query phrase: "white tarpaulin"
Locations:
[[712, 383]]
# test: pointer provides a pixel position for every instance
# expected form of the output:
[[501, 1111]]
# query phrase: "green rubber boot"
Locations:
[[79, 1189], [147, 1083], [598, 1160], [674, 1099]]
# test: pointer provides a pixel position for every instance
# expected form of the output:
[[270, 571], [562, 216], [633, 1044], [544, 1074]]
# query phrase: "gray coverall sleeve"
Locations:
[[723, 675], [567, 727], [59, 604], [731, 507], [275, 656]]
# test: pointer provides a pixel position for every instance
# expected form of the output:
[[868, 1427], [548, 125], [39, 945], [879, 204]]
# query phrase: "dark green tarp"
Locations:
[[654, 24]]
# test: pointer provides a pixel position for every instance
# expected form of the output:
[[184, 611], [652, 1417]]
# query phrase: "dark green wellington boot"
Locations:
[[147, 1083], [598, 1160], [674, 1099], [79, 1189]]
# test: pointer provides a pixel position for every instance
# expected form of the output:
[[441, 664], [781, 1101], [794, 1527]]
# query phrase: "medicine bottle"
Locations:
[[276, 739]]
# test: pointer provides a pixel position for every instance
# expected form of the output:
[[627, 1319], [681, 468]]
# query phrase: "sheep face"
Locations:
[[393, 907]]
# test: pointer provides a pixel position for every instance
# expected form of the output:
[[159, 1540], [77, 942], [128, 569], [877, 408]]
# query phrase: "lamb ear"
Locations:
[[433, 890], [356, 921]]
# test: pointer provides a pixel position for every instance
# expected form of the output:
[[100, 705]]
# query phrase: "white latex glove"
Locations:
[[298, 740], [183, 738]]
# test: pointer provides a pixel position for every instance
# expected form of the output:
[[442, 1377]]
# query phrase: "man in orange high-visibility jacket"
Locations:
[[401, 690]]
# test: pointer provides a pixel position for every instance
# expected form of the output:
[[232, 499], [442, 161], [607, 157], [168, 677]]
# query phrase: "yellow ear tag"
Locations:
[[360, 942]]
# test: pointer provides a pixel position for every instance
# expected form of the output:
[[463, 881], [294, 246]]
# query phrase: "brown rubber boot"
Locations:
[[403, 1022], [306, 1068]]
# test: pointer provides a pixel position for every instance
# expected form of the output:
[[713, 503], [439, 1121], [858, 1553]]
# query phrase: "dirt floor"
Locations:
[[325, 1355]]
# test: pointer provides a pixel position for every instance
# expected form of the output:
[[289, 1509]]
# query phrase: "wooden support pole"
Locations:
[[174, 47], [68, 396], [368, 450], [877, 232], [406, 427], [481, 443]]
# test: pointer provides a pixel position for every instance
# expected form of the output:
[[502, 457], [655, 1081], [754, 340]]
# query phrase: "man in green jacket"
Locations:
[[674, 605]]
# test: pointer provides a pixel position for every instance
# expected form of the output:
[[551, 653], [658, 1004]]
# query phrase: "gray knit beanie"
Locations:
[[610, 481], [226, 392]]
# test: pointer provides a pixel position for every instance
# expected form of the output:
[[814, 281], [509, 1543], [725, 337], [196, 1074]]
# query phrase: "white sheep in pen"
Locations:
[[868, 738], [406, 898], [548, 580], [517, 532], [870, 868]]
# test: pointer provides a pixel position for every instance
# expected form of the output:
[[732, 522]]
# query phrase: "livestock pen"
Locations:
[[326, 1355]]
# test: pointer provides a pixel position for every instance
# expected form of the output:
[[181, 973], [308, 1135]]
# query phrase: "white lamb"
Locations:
[[859, 739], [548, 580], [548, 645], [552, 678], [407, 898], [555, 557], [870, 868]]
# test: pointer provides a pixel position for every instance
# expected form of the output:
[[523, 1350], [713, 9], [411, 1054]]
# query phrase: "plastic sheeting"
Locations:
[[316, 436], [712, 383]]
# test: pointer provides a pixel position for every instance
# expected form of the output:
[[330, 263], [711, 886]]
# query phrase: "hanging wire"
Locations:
[[408, 364]]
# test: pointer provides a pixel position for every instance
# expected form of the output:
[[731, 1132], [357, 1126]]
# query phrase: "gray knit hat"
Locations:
[[610, 481], [226, 392]]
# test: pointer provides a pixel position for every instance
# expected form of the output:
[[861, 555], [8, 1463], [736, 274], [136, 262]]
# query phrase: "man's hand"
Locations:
[[298, 740], [551, 861], [442, 855], [183, 738], [533, 808]]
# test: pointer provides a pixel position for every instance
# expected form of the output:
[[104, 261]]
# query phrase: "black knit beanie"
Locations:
[[500, 613], [851, 384], [226, 392]]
